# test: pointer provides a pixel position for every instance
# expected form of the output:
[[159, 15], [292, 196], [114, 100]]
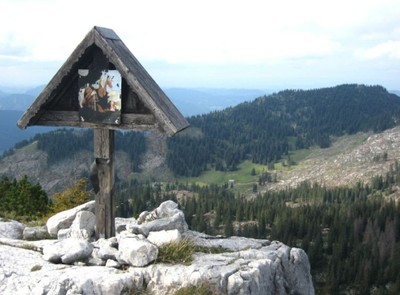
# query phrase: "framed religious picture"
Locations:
[[99, 96]]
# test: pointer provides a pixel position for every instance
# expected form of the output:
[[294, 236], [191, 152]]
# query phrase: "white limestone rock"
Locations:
[[11, 229], [113, 263], [94, 259], [67, 251], [167, 216], [254, 272], [122, 223], [83, 226], [30, 274], [136, 252], [271, 269], [232, 243], [250, 266], [164, 236], [107, 249], [176, 221], [64, 219], [35, 233], [64, 233], [167, 209]]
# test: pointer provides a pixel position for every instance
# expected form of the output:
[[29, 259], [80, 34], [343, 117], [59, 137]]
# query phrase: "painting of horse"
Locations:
[[100, 96]]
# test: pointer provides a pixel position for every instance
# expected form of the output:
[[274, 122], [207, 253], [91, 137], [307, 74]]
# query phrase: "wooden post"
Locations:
[[104, 157]]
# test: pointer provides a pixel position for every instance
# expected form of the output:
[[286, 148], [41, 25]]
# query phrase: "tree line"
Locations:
[[351, 234], [263, 131], [266, 129], [64, 143], [22, 200]]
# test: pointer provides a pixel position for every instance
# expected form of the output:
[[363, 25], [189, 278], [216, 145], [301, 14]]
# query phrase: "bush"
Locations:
[[176, 252], [20, 200], [71, 197], [182, 251], [203, 289]]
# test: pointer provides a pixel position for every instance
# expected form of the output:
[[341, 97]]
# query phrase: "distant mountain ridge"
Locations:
[[267, 128], [10, 134], [263, 131], [197, 101], [190, 101]]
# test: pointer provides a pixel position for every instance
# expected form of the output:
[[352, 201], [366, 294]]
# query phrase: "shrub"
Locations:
[[203, 289], [182, 251], [71, 197], [20, 200], [176, 252]]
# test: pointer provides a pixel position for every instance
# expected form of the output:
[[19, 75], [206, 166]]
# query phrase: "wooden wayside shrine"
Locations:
[[103, 86]]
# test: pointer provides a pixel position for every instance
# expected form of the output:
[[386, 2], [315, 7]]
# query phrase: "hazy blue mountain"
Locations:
[[10, 134], [189, 101], [15, 101], [196, 101], [397, 92], [35, 91]]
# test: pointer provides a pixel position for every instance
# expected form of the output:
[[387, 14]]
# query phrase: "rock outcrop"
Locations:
[[125, 264], [11, 229], [64, 220]]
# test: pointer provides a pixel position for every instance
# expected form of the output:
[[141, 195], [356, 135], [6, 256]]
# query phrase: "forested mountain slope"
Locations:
[[264, 131], [339, 203], [58, 158], [269, 127]]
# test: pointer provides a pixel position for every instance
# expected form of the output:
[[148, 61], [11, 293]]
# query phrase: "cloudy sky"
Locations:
[[213, 43]]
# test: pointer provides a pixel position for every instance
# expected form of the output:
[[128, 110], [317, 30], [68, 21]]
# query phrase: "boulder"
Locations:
[[67, 251], [247, 266], [167, 209], [122, 223], [24, 272], [232, 243], [270, 268], [11, 229], [35, 233], [253, 271], [176, 221], [94, 259], [166, 217], [113, 263], [136, 251], [164, 236], [107, 249], [64, 233], [63, 220], [83, 227]]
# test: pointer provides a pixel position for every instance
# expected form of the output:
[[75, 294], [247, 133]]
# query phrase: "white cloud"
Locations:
[[389, 49], [208, 33]]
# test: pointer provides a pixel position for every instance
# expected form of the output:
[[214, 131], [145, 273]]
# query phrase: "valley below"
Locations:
[[350, 159], [318, 170]]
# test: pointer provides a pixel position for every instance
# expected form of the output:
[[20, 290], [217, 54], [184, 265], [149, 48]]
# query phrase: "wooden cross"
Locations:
[[144, 107]]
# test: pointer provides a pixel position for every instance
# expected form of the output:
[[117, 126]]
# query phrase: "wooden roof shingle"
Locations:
[[57, 104]]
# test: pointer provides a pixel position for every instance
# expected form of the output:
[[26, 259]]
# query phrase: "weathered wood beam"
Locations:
[[29, 117], [104, 208], [71, 119]]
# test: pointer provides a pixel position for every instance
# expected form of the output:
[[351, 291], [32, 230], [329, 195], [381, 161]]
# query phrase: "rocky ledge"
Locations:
[[75, 263]]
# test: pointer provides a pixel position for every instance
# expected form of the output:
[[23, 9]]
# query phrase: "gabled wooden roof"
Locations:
[[144, 105]]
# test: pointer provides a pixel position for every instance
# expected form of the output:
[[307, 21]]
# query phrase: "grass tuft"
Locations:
[[176, 252], [182, 252], [203, 289]]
